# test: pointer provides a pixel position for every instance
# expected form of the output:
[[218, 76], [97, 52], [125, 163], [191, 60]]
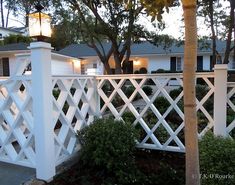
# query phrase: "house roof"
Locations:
[[14, 47], [23, 47], [144, 48]]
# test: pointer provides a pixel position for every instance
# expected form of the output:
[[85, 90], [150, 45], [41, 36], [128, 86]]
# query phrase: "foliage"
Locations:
[[128, 117], [148, 90], [112, 30], [109, 145], [175, 93], [217, 162], [129, 90], [16, 39], [143, 70], [162, 104], [220, 23]]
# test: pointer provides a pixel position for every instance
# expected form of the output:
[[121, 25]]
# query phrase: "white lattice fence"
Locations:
[[231, 109], [74, 107], [158, 114], [17, 143]]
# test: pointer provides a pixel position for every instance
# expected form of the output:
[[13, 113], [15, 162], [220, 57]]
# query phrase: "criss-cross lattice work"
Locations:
[[17, 143], [73, 108], [154, 104], [231, 110]]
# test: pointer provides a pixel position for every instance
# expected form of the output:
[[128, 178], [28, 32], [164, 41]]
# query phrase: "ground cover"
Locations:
[[155, 167]]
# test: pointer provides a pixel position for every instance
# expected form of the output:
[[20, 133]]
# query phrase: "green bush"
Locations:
[[217, 160], [161, 103], [148, 90], [109, 145], [128, 117], [143, 70], [129, 90], [175, 93]]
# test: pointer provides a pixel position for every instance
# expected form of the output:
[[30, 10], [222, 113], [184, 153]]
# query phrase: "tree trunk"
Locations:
[[107, 67], [118, 61], [190, 114], [211, 13], [229, 38], [2, 14]]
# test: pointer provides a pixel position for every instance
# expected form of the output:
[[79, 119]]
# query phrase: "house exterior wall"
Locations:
[[163, 62], [158, 62], [91, 63], [60, 65]]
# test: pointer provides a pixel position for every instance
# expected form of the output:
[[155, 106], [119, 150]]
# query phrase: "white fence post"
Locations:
[[220, 99], [42, 110]]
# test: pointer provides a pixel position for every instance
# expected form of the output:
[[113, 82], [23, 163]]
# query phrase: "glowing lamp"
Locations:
[[39, 24]]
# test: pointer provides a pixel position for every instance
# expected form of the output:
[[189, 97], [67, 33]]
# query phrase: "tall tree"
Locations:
[[190, 113], [190, 57], [109, 27], [23, 8], [6, 6], [218, 20]]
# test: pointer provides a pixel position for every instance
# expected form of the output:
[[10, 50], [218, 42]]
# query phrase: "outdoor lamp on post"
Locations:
[[40, 57], [39, 24]]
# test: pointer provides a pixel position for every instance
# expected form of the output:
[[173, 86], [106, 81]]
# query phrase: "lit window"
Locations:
[[178, 64]]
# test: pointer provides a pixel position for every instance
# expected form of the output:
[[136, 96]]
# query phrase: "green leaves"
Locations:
[[217, 160], [108, 145], [156, 8]]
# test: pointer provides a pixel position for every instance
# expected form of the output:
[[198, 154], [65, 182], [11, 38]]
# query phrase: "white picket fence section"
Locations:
[[74, 108], [230, 126], [160, 84], [16, 122]]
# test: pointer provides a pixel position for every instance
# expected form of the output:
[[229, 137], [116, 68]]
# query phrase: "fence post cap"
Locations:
[[220, 66]]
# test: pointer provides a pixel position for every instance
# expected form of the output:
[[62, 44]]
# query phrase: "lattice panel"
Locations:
[[17, 144], [231, 110], [73, 108], [154, 104]]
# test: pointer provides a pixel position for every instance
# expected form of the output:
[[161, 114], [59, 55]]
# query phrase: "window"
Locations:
[[94, 65], [4, 67], [82, 68], [199, 63], [178, 64]]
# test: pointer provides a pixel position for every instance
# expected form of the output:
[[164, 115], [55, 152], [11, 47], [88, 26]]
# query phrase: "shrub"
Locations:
[[217, 160], [148, 90], [161, 103], [109, 145], [129, 90], [175, 92], [160, 71], [128, 117], [143, 70]]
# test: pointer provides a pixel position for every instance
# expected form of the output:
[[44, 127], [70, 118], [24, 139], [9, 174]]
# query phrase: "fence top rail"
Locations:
[[231, 84], [73, 76], [168, 75], [8, 80]]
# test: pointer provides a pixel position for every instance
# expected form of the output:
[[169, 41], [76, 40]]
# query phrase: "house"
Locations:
[[15, 60], [145, 55]]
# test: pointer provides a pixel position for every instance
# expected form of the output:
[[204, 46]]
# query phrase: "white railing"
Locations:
[[74, 107], [16, 122], [160, 129], [230, 127]]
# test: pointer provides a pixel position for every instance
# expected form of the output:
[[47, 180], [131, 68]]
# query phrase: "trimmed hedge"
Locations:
[[217, 160]]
